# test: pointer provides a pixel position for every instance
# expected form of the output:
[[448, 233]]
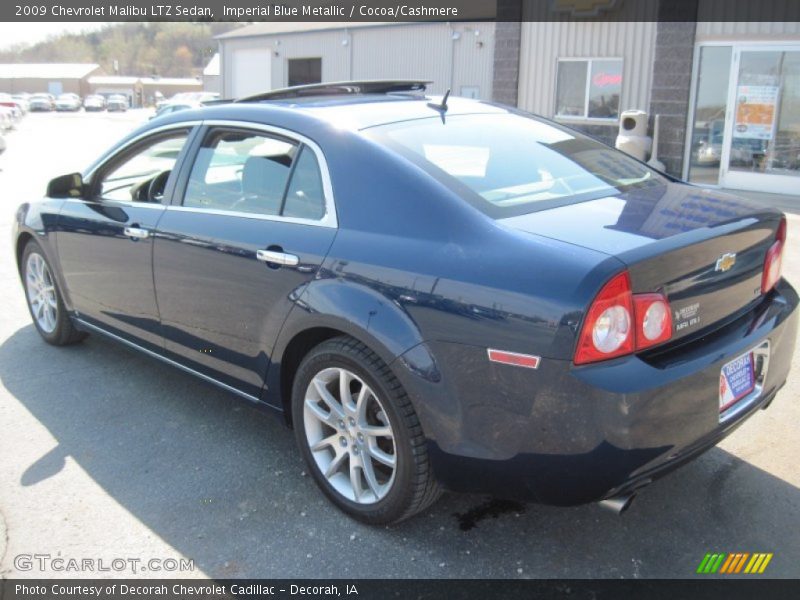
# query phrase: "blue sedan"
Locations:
[[434, 293]]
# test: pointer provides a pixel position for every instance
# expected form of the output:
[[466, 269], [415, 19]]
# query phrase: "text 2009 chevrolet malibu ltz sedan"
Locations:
[[435, 294]]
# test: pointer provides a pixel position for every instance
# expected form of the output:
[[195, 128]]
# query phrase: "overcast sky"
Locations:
[[14, 33]]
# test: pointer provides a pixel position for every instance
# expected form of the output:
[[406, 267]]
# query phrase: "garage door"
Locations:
[[251, 72]]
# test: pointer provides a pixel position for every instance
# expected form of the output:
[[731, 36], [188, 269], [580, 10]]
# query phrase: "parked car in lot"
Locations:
[[94, 103], [434, 293], [7, 119], [68, 103], [14, 108], [42, 103], [707, 151], [117, 103], [14, 113], [23, 101]]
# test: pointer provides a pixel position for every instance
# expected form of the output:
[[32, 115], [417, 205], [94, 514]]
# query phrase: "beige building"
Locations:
[[142, 91], [85, 79], [56, 78], [107, 85], [211, 82], [168, 87], [265, 56]]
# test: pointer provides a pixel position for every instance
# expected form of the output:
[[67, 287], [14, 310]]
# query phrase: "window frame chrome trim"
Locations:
[[330, 220], [121, 203], [115, 150]]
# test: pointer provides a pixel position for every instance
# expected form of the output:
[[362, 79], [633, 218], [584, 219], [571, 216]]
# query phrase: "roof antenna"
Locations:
[[442, 108]]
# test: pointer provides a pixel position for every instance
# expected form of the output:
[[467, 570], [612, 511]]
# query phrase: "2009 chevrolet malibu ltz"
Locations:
[[434, 293]]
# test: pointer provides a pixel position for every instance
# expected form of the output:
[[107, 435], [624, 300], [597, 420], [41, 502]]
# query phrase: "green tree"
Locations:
[[140, 49]]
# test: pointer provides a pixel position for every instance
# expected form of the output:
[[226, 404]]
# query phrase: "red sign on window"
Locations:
[[605, 79]]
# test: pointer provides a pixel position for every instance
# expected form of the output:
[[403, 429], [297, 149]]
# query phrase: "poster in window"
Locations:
[[756, 109]]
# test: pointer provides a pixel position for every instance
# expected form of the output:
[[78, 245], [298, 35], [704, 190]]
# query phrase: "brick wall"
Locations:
[[669, 96], [507, 38]]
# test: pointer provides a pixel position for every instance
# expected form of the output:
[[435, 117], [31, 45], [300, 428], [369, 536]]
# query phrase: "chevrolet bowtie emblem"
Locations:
[[726, 262]]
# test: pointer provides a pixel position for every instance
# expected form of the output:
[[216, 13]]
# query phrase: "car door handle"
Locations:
[[277, 258], [136, 233]]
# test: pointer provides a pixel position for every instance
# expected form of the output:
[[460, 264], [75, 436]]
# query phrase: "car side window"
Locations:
[[305, 198], [241, 171], [143, 175]]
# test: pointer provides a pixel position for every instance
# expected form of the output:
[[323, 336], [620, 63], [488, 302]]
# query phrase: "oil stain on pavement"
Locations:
[[493, 508]]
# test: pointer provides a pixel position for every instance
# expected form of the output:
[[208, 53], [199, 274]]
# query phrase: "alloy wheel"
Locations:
[[41, 292], [349, 434]]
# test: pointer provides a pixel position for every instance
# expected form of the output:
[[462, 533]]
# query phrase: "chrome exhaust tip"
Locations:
[[618, 504]]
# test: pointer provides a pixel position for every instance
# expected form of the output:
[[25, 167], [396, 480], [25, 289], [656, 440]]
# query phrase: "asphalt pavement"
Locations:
[[106, 454]]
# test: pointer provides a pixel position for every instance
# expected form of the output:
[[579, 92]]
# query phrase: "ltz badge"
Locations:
[[687, 316]]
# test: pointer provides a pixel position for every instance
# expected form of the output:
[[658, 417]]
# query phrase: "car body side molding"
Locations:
[[94, 328]]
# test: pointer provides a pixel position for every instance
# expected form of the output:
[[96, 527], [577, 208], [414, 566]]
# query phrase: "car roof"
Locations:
[[352, 111], [369, 110]]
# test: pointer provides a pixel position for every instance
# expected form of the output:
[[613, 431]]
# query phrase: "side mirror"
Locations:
[[66, 186]]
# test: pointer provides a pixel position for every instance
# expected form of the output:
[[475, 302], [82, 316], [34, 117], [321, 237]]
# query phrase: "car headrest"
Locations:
[[264, 176]]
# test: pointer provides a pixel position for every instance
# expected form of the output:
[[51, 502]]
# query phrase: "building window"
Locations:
[[303, 71], [588, 88]]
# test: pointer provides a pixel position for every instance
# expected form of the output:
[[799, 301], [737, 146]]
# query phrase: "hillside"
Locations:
[[163, 49]]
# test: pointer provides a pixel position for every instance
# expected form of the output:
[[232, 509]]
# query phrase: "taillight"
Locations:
[[608, 327], [619, 322], [653, 320], [774, 259]]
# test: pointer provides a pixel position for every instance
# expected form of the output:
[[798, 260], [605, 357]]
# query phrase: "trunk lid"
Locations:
[[704, 249]]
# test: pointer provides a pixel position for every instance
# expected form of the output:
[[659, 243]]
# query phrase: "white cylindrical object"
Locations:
[[633, 123], [632, 138], [654, 162], [636, 146]]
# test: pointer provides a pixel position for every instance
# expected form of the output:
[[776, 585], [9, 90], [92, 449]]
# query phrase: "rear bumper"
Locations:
[[569, 435]]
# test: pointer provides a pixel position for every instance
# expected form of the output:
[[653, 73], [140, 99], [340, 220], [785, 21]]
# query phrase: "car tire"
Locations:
[[349, 438], [44, 298]]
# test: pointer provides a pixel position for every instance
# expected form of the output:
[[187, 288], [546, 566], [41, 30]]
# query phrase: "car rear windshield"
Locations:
[[508, 164]]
